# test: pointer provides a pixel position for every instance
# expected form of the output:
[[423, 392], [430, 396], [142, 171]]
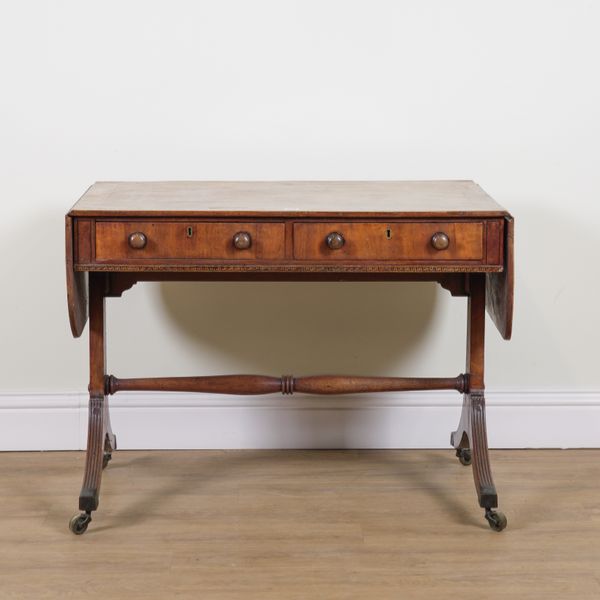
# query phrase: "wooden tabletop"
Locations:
[[288, 198]]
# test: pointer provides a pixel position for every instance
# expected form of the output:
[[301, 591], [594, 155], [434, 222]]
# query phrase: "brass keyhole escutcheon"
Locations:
[[189, 232]]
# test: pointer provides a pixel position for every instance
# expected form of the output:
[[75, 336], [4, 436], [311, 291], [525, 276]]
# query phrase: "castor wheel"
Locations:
[[496, 519], [464, 456], [106, 458], [79, 522]]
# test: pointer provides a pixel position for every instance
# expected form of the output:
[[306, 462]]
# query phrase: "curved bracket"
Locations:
[[455, 283], [118, 283]]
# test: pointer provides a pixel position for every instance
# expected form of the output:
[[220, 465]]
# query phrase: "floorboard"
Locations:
[[291, 525]]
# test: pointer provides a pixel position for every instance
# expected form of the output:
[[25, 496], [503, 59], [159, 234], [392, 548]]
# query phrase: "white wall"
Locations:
[[505, 93]]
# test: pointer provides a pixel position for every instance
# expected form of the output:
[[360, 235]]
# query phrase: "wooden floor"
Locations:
[[309, 524]]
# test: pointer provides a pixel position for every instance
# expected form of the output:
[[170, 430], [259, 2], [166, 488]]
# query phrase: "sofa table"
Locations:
[[450, 232]]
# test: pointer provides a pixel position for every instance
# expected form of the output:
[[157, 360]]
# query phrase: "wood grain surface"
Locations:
[[267, 525], [287, 384], [77, 285], [188, 240], [285, 198], [500, 287], [404, 241], [190, 228]]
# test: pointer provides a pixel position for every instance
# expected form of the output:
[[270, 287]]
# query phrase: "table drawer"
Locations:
[[118, 241], [400, 241]]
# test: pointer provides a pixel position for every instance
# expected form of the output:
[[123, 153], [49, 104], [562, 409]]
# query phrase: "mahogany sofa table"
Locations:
[[450, 232]]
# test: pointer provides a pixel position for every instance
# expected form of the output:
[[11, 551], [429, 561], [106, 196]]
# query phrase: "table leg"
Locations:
[[101, 441], [110, 439], [470, 438]]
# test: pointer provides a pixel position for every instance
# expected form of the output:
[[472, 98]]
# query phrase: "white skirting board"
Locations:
[[526, 419]]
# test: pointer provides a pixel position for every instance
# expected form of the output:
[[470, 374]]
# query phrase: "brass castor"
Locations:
[[496, 519], [106, 458], [79, 522], [464, 456]]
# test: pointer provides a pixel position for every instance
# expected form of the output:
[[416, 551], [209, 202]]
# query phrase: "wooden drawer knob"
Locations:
[[440, 240], [242, 240], [335, 240], [137, 240]]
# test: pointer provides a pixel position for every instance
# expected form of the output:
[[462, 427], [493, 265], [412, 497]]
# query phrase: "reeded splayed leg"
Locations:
[[94, 458], [110, 439], [470, 438], [101, 440], [459, 439]]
